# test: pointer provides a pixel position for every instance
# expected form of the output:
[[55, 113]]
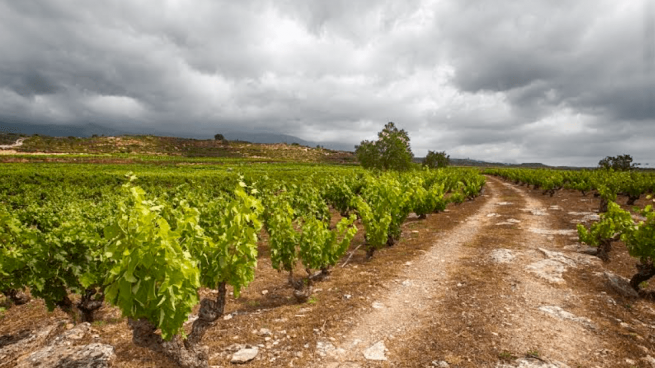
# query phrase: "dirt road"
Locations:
[[493, 292]]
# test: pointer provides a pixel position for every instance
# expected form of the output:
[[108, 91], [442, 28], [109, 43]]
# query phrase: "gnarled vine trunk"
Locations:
[[604, 249], [603, 205], [187, 353], [645, 270], [370, 250], [390, 241], [632, 199], [17, 297], [302, 287], [321, 275], [91, 301]]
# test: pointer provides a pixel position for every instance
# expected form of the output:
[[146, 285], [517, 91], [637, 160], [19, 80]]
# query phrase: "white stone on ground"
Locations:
[[536, 211], [548, 269], [502, 255], [326, 349], [553, 232], [649, 359], [532, 363], [509, 222], [264, 332], [377, 305], [376, 351], [586, 217], [244, 355], [560, 313], [61, 351], [621, 285], [559, 257], [441, 364]]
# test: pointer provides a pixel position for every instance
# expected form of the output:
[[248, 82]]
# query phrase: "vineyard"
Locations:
[[147, 242], [635, 227], [192, 265]]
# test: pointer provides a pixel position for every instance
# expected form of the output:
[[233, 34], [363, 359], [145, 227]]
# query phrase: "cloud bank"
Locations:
[[532, 81]]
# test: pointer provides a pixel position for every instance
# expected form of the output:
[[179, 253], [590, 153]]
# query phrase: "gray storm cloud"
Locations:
[[532, 81]]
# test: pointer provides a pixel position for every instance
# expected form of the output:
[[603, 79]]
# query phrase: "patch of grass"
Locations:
[[313, 300], [506, 355], [534, 353]]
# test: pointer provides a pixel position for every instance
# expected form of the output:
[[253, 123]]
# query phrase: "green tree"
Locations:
[[390, 152], [367, 154], [617, 163], [219, 137], [436, 159]]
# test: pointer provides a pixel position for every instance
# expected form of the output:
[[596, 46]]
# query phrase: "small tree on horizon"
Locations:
[[617, 163], [219, 137], [435, 160], [390, 152]]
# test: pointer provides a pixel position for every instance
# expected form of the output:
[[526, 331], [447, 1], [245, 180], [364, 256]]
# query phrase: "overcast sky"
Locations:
[[552, 81]]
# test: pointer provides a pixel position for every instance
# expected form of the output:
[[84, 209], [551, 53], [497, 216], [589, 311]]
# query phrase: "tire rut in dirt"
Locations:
[[551, 318], [409, 306], [464, 329], [491, 313]]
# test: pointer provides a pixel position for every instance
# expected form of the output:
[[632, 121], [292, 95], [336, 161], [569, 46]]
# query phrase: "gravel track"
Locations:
[[546, 317]]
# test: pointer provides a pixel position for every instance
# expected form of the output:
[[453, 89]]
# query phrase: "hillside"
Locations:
[[134, 146], [18, 127]]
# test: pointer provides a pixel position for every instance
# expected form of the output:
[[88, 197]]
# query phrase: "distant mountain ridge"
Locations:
[[85, 130], [478, 163]]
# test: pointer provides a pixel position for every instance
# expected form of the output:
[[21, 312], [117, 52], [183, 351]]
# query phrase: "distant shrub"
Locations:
[[434, 160]]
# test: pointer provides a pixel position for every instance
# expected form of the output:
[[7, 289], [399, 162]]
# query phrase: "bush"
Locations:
[[219, 137], [390, 152], [434, 160]]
